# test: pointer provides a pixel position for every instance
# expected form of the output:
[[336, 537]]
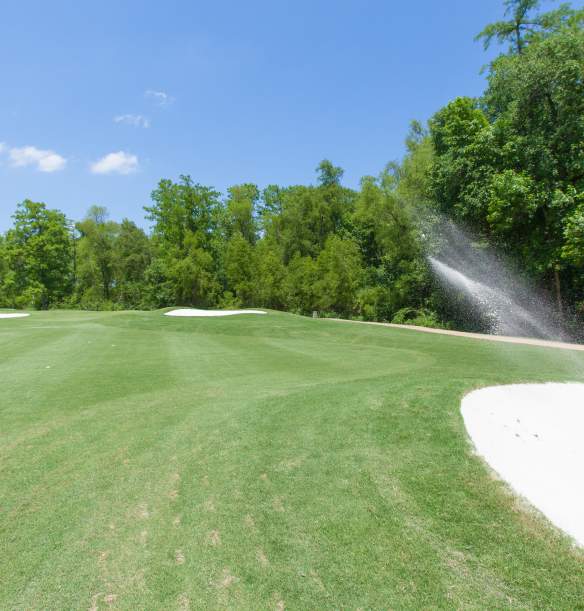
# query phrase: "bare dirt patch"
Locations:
[[209, 505], [183, 602], [317, 580], [291, 463], [228, 579], [262, 558], [94, 598], [214, 538], [142, 511]]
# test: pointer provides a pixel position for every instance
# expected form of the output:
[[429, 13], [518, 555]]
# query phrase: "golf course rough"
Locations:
[[262, 462]]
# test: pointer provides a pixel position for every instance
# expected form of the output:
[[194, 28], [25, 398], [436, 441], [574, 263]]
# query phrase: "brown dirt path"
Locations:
[[491, 338]]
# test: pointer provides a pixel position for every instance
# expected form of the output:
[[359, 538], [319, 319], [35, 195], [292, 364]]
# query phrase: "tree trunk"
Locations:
[[558, 289], [518, 40]]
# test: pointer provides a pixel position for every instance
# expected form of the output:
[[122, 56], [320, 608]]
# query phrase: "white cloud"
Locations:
[[134, 120], [115, 163], [160, 97], [45, 161]]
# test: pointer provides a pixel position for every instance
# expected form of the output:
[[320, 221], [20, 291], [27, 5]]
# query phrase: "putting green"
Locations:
[[263, 462]]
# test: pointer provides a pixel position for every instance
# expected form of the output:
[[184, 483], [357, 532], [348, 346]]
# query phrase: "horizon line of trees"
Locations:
[[508, 165], [300, 248]]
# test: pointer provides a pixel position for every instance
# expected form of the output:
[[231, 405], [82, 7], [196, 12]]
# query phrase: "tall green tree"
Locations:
[[132, 254], [38, 253], [4, 274], [270, 275], [464, 157], [186, 219], [300, 291], [240, 269], [301, 218], [512, 164], [96, 256], [241, 211], [340, 275], [414, 185], [183, 208], [525, 26], [536, 102], [191, 276], [329, 174]]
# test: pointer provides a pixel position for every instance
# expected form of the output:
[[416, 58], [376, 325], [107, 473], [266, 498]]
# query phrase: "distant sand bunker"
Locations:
[[195, 312], [13, 314], [532, 435]]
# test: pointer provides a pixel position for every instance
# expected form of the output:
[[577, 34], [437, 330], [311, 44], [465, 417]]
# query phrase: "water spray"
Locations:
[[503, 301]]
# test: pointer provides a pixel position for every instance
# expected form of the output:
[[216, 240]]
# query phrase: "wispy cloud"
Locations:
[[2, 147], [43, 160], [115, 163], [133, 120], [160, 97]]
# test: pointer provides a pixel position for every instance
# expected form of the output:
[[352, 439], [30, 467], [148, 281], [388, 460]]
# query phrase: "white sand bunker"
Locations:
[[195, 312], [532, 435], [13, 314]]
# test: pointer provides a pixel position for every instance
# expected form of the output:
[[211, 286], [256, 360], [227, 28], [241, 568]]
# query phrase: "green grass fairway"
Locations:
[[261, 462]]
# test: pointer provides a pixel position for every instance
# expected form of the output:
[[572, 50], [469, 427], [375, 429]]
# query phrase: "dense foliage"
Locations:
[[509, 165], [300, 248]]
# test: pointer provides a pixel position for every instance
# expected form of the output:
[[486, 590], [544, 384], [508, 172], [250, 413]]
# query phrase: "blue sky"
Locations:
[[100, 100]]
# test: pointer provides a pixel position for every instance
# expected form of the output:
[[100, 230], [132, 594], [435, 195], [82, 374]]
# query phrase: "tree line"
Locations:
[[301, 248], [508, 165]]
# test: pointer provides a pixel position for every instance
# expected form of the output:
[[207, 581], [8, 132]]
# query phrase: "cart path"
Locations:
[[491, 338]]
